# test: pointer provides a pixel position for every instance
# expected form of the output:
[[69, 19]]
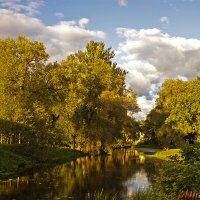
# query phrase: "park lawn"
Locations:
[[12, 164], [16, 159], [166, 155], [62, 155]]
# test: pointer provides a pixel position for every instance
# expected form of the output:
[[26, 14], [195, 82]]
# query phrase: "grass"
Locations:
[[102, 196], [149, 194], [165, 155], [11, 163], [61, 155], [16, 159], [158, 153]]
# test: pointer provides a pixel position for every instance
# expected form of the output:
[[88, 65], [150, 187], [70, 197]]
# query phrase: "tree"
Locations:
[[81, 100], [180, 100], [23, 96], [96, 87]]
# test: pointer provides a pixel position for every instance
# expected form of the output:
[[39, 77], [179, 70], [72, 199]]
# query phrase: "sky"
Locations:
[[153, 40]]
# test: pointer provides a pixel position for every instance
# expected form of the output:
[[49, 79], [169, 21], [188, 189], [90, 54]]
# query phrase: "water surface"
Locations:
[[122, 173]]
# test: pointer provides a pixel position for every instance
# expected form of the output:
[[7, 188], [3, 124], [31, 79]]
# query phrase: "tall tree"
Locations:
[[79, 100], [22, 64], [96, 92], [181, 101]]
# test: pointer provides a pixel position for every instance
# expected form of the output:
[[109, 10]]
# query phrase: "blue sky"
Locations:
[[107, 15], [153, 39]]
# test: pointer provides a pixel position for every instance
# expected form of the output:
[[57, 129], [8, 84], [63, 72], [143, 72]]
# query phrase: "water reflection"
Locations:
[[139, 181], [123, 173]]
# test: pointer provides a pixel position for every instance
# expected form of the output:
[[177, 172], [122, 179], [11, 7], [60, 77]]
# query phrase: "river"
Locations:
[[122, 173]]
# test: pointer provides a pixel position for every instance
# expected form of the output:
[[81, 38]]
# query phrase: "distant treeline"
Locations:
[[82, 102]]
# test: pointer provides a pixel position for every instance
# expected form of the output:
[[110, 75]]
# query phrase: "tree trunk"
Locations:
[[10, 139], [19, 139], [1, 141]]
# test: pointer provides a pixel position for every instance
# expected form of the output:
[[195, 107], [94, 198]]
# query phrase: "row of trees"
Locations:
[[81, 100], [176, 115]]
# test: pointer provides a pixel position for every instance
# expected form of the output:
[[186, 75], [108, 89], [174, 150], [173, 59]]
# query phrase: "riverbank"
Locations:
[[149, 149], [166, 154], [156, 152], [17, 159], [163, 156]]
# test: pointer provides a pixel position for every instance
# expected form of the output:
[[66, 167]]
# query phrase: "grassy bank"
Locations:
[[166, 155], [139, 195], [12, 164], [157, 152], [16, 159]]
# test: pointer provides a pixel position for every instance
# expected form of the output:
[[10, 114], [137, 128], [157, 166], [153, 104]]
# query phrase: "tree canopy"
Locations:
[[79, 100], [181, 100], [177, 111]]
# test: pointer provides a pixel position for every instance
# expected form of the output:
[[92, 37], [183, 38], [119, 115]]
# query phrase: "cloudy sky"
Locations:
[[153, 39]]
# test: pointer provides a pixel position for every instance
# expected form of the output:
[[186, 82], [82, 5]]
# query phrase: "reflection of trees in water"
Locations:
[[10, 185], [78, 178], [152, 167]]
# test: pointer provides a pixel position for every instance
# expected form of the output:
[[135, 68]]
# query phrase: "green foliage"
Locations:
[[23, 92], [178, 178], [141, 195], [81, 100], [61, 155], [12, 164], [181, 101], [181, 174], [151, 194], [166, 155], [94, 100], [15, 159], [176, 114], [102, 196], [151, 125]]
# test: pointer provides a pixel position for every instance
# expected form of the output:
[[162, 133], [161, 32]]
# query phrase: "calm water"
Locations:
[[122, 173]]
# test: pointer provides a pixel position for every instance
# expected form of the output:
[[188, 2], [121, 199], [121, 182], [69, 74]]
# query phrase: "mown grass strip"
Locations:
[[166, 155]]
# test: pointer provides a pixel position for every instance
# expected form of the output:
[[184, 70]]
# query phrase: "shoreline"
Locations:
[[17, 163]]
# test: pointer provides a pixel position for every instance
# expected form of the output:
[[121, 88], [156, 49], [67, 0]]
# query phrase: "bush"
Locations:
[[102, 196], [181, 174]]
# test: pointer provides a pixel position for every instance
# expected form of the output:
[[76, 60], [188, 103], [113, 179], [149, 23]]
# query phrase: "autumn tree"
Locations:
[[156, 131], [180, 100], [95, 94], [79, 101], [23, 96]]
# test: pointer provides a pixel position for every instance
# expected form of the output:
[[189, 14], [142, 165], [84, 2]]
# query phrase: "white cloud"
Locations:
[[145, 105], [60, 39], [29, 7], [60, 15], [83, 22], [14, 24], [141, 76], [151, 56], [123, 2], [164, 19]]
